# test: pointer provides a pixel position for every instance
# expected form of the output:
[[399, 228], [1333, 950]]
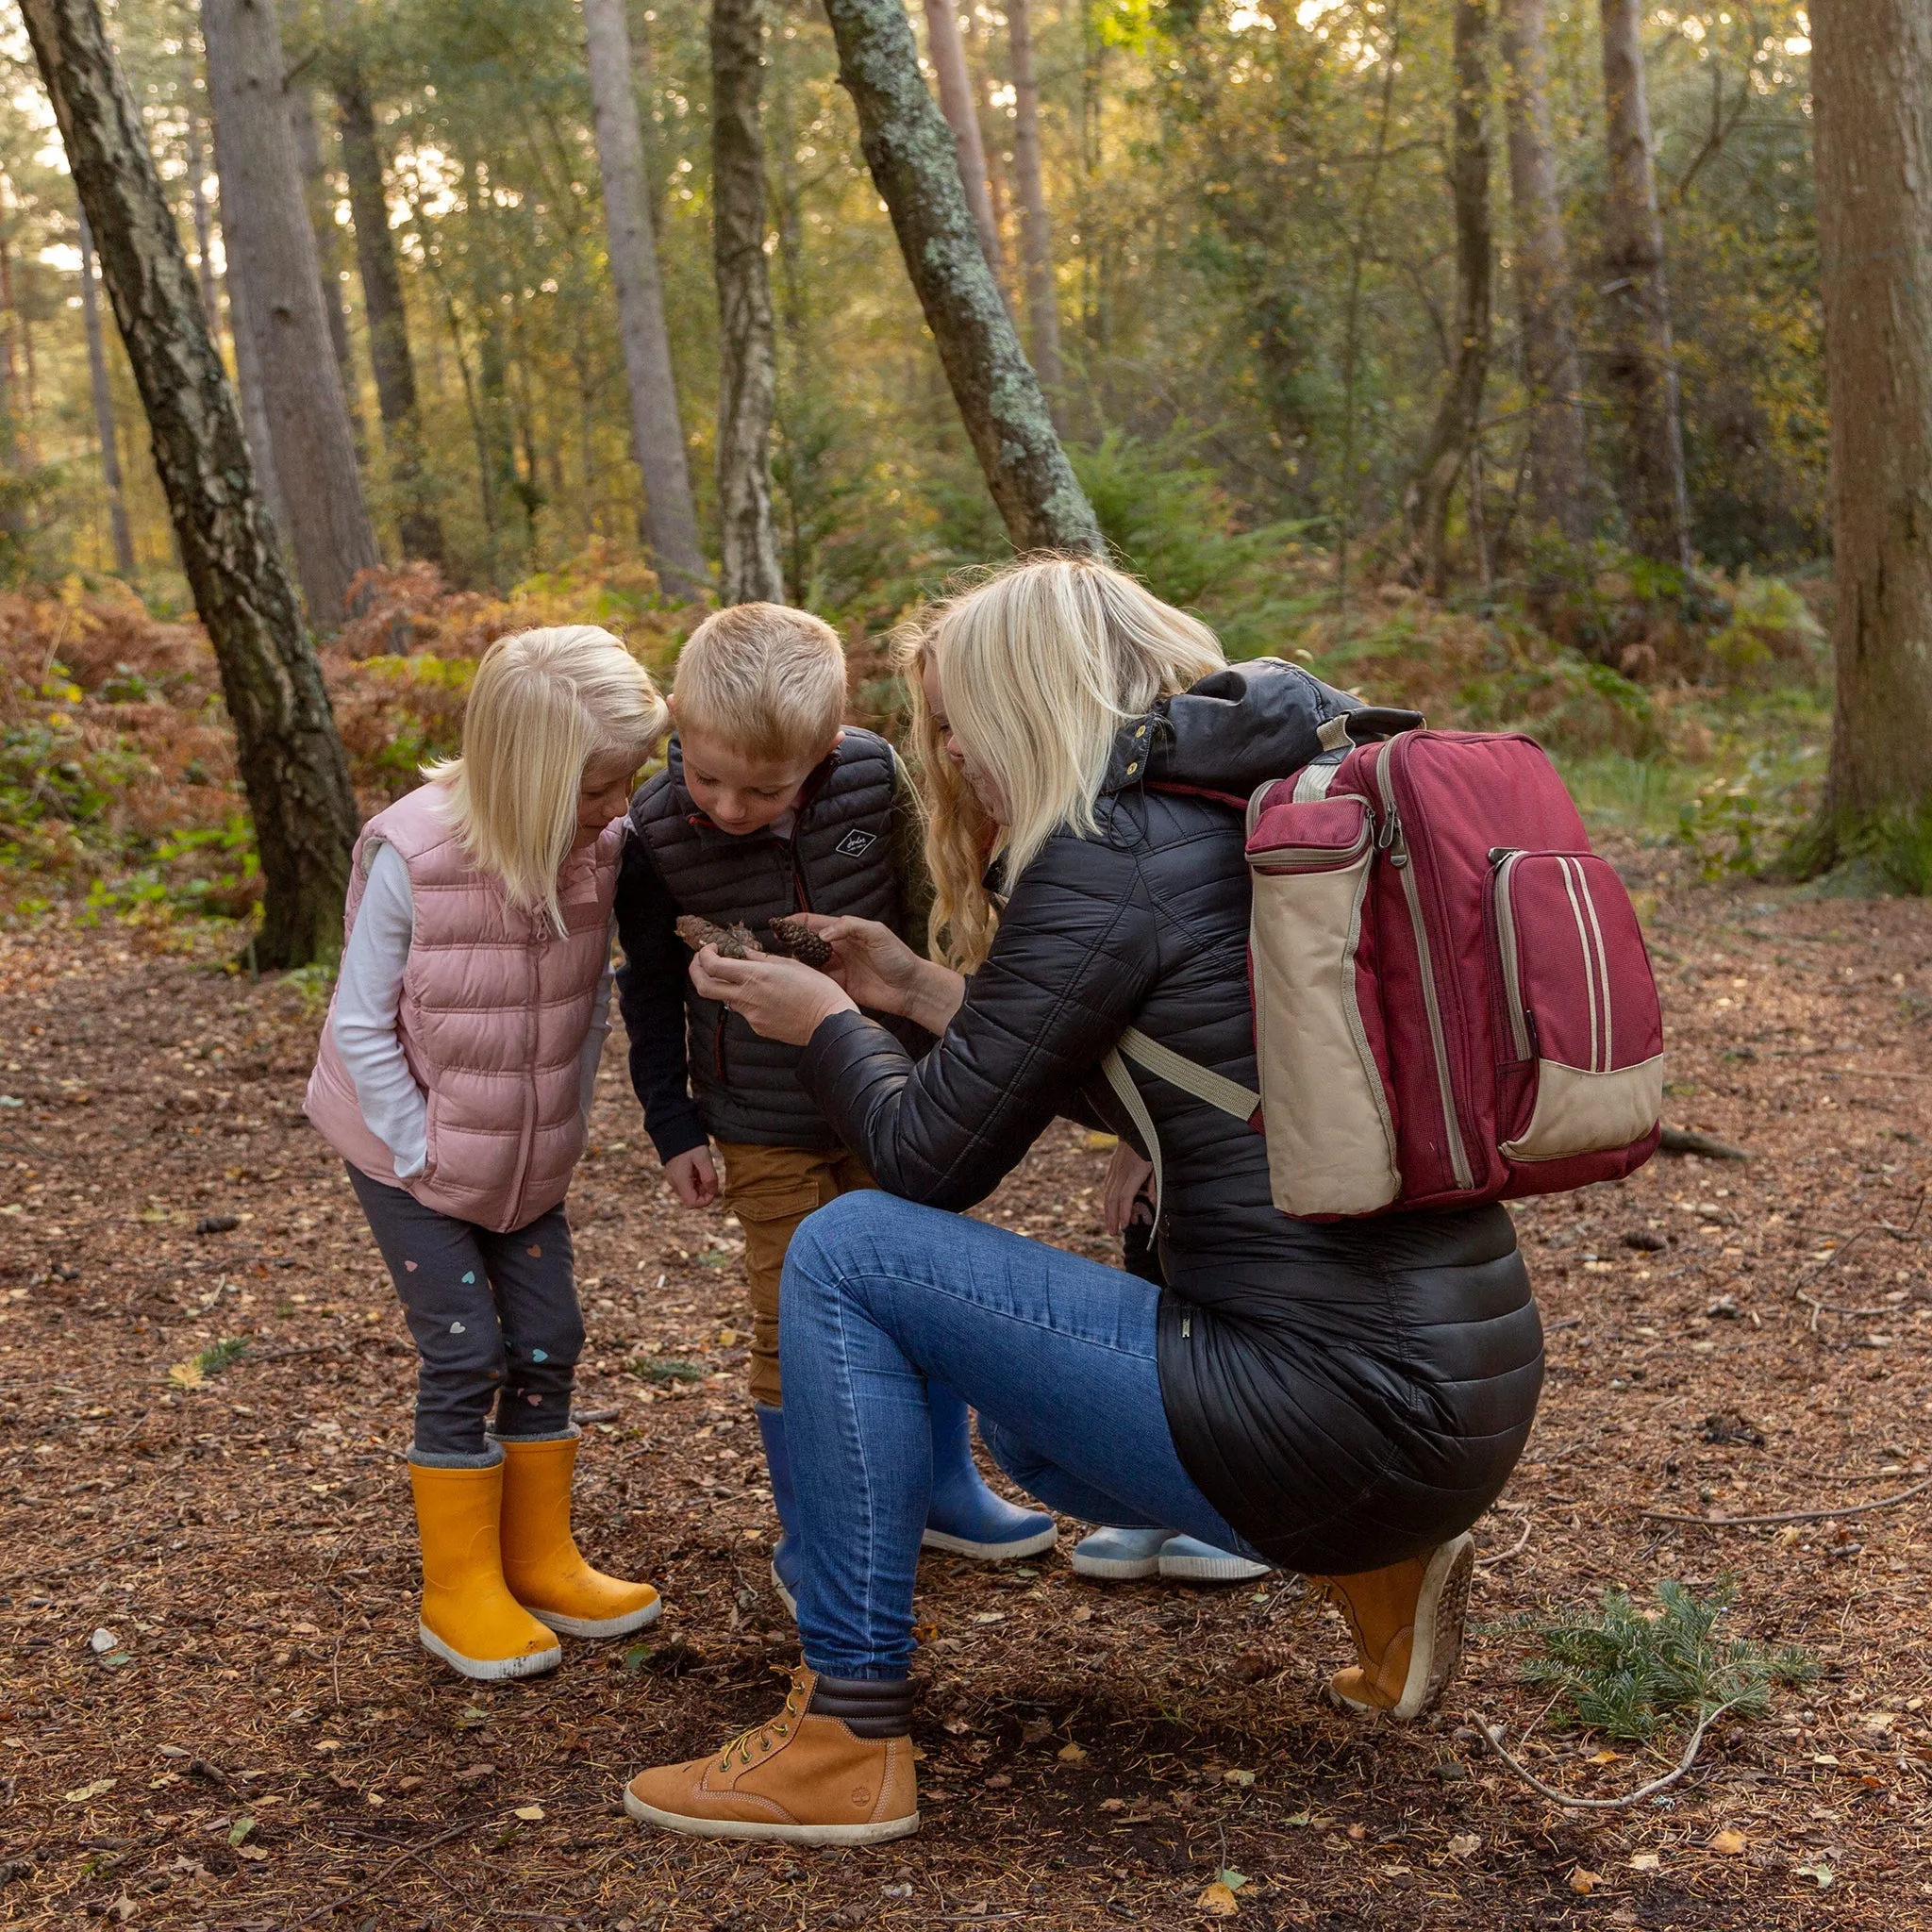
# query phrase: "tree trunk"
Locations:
[[271, 260], [1552, 374], [12, 449], [1459, 415], [1872, 81], [417, 524], [291, 758], [104, 405], [197, 203], [749, 569], [1642, 366], [328, 250], [958, 104], [261, 445], [671, 520], [1035, 236], [914, 165]]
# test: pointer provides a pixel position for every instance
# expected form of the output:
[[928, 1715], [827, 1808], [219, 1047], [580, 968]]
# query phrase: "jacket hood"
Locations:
[[1241, 727]]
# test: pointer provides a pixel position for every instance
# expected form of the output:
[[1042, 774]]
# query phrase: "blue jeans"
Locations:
[[1056, 1353]]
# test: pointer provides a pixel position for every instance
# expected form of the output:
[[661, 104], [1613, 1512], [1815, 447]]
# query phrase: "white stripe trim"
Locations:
[[1588, 965], [1603, 964]]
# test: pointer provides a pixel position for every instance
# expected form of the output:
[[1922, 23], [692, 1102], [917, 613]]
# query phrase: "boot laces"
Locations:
[[760, 1736]]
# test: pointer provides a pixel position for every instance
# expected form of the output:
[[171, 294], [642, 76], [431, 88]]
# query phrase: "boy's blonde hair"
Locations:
[[545, 704], [763, 678], [1041, 664]]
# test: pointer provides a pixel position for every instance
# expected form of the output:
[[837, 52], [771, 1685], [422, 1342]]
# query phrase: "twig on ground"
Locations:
[[1786, 1515], [389, 1870], [1515, 1549], [1494, 1738]]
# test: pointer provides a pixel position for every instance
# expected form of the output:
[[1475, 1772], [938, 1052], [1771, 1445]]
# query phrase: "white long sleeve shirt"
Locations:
[[369, 994]]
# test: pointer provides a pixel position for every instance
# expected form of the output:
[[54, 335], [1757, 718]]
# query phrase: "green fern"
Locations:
[[1630, 1672]]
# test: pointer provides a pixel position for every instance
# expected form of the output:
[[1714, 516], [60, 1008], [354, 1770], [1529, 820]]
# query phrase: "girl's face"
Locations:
[[603, 795], [985, 788]]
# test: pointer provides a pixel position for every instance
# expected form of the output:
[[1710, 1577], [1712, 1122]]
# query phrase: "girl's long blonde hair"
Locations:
[[1042, 665], [545, 704]]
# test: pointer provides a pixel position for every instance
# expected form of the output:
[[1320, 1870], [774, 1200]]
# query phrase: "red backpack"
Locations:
[[1452, 1002]]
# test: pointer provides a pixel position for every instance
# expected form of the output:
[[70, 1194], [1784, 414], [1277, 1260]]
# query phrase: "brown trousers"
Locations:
[[770, 1190]]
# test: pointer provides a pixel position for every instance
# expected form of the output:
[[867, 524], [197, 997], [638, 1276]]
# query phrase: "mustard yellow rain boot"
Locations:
[[541, 1565], [470, 1620], [1406, 1622]]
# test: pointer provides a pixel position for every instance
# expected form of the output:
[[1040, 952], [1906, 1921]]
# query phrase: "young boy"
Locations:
[[770, 804]]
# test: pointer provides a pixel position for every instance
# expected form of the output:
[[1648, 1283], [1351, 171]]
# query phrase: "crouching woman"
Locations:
[[1343, 1400]]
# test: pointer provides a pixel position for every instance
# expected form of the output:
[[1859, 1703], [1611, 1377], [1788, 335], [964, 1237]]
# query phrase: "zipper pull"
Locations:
[[1392, 840], [1187, 1326]]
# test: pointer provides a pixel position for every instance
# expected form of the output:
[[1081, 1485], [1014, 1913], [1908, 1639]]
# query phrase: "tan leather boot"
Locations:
[[833, 1768], [1406, 1622]]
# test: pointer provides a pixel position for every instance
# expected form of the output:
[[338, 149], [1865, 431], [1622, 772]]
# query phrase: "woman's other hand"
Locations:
[[880, 971], [778, 999], [1128, 1193]]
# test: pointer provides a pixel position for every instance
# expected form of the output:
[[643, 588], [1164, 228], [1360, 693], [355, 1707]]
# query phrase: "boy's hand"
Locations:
[[693, 1176]]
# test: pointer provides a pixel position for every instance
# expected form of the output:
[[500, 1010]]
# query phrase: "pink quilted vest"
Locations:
[[495, 1005]]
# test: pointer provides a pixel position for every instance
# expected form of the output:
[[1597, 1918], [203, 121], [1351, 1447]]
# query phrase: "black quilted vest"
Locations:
[[838, 859]]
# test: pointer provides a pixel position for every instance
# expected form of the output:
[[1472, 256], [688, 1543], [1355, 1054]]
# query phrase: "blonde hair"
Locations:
[[545, 705], [763, 678], [1041, 664]]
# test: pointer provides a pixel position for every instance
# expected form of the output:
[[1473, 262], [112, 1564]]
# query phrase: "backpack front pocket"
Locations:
[[1582, 1031], [1318, 1028]]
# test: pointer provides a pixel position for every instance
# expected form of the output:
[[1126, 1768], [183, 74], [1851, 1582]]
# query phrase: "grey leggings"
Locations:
[[494, 1316]]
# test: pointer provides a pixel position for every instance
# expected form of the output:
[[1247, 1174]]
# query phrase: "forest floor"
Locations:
[[257, 1742]]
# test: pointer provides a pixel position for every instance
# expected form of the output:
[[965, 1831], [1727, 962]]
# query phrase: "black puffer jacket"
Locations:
[[1346, 1394]]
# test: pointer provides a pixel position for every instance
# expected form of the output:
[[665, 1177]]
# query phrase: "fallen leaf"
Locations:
[[1820, 1873], [475, 1773], [240, 1830], [1070, 1753], [1608, 1758], [122, 1909], [1218, 1902], [1879, 1719], [1729, 1842], [1035, 1730], [187, 1375], [1645, 1861], [1243, 1778], [254, 1852], [1356, 1833], [530, 1814], [726, 1337], [1113, 1804], [174, 1751], [81, 1795], [102, 1641], [1228, 1876], [1583, 1883], [990, 1617], [1465, 1845], [998, 1781]]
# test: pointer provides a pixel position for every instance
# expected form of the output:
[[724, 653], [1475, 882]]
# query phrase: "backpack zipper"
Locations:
[[1393, 842]]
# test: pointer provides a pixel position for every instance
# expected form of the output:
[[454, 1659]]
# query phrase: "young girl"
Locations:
[[454, 1075]]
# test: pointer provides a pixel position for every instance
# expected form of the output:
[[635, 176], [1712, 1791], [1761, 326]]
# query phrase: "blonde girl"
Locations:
[[454, 1077]]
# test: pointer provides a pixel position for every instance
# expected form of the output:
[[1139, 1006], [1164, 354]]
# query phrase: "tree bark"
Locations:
[[671, 521], [254, 396], [417, 524], [197, 203], [271, 258], [291, 758], [909, 149], [1458, 414], [749, 569], [1552, 373], [958, 104], [320, 197], [104, 405], [1871, 82], [1642, 366], [1035, 235]]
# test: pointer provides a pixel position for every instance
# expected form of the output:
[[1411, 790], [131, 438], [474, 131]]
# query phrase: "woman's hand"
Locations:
[[880, 971], [778, 999], [1127, 1192]]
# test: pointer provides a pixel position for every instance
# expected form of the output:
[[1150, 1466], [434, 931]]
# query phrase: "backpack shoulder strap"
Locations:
[[1216, 1090]]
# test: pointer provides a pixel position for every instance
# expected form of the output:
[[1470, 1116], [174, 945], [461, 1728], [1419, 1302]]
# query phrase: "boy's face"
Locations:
[[740, 794]]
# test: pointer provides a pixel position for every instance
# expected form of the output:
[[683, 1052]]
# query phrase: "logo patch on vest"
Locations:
[[855, 844]]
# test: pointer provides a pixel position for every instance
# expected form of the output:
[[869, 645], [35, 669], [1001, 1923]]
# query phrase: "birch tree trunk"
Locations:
[[1643, 367], [670, 522], [291, 758], [748, 370], [914, 165], [417, 526], [1458, 414], [1552, 373], [1036, 234], [272, 255], [958, 104], [1871, 80], [104, 405]]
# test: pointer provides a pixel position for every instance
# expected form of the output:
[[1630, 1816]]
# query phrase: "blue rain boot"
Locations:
[[965, 1516], [1113, 1555], [787, 1560]]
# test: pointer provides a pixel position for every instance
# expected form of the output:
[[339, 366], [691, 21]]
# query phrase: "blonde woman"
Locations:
[[454, 1077], [1343, 1400]]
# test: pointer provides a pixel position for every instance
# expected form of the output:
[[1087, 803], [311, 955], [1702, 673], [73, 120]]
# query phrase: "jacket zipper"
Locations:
[[1391, 840], [1512, 966]]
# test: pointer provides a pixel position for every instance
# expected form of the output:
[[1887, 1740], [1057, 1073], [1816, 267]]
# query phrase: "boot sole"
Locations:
[[489, 1669], [1210, 1568], [1115, 1569], [790, 1834], [598, 1626], [991, 1553], [1440, 1610]]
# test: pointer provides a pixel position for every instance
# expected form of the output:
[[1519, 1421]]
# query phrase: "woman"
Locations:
[[1342, 1399]]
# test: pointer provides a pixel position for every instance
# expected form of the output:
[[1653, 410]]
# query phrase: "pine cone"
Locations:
[[796, 937], [732, 941]]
